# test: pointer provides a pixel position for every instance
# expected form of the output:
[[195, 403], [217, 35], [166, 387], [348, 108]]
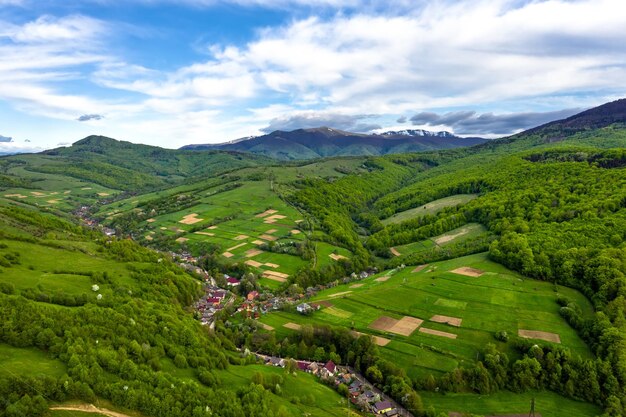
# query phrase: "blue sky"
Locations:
[[170, 73]]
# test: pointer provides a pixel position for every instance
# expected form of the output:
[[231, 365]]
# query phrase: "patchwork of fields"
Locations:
[[431, 320]]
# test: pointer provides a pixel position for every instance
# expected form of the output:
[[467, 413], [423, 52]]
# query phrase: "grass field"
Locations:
[[458, 235], [548, 404], [429, 208], [313, 398], [497, 300], [29, 362], [51, 269]]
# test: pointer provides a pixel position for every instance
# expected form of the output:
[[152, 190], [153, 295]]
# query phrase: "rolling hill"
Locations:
[[327, 142]]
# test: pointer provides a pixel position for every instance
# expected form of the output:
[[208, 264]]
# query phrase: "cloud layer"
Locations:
[[354, 70], [472, 123]]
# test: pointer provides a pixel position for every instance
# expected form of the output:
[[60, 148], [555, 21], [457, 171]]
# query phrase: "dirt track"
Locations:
[[89, 408]]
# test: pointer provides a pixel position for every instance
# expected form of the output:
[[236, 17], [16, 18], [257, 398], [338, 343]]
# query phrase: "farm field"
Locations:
[[429, 208], [547, 403], [242, 220], [460, 313], [460, 234]]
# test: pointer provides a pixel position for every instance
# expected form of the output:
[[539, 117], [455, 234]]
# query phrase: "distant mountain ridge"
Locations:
[[326, 142]]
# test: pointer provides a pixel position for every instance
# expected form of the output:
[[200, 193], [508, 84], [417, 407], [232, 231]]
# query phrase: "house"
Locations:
[[232, 282], [382, 407], [315, 306], [313, 368], [355, 386], [252, 295], [303, 366], [303, 308], [330, 368], [392, 413], [219, 294], [370, 396], [213, 300], [274, 361]]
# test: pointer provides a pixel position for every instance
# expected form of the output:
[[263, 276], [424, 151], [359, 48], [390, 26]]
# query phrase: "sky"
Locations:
[[171, 73]]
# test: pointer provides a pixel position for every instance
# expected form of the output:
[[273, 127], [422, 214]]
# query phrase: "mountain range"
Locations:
[[327, 142]]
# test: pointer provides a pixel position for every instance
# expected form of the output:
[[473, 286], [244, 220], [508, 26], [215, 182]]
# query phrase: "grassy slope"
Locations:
[[430, 208], [547, 404], [499, 300]]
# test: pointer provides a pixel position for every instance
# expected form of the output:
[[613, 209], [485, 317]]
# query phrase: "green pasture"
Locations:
[[302, 393], [29, 362], [429, 208], [547, 404], [498, 300], [458, 235]]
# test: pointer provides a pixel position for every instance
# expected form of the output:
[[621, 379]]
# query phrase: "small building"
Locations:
[[213, 301], [392, 413], [303, 308], [382, 407], [303, 366], [252, 295], [330, 368], [313, 368], [232, 282]]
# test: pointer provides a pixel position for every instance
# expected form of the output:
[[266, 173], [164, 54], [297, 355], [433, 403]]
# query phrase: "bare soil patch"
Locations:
[[406, 325], [381, 341], [151, 220], [37, 194], [336, 257], [276, 276], [452, 321], [53, 201], [212, 227], [182, 239], [241, 237], [190, 219], [468, 271], [86, 188], [227, 255], [271, 265], [340, 293], [236, 247], [268, 237], [419, 268], [258, 242], [356, 285], [252, 252], [165, 228], [266, 326], [16, 195], [103, 194], [394, 252], [292, 326], [252, 263], [383, 323], [325, 303], [295, 232], [205, 233], [437, 333], [268, 275], [274, 218], [535, 334], [266, 213], [382, 279], [269, 232], [149, 237]]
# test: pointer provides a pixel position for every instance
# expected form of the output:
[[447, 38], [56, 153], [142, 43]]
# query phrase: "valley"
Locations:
[[466, 280]]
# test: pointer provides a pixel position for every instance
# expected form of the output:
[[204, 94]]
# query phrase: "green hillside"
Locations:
[[487, 273]]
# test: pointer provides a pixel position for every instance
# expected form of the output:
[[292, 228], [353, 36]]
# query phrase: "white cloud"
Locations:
[[488, 55]]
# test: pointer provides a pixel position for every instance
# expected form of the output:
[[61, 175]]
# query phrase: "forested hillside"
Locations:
[[109, 319]]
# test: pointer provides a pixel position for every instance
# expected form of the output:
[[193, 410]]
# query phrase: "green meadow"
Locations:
[[430, 208], [28, 361], [499, 299], [547, 404]]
